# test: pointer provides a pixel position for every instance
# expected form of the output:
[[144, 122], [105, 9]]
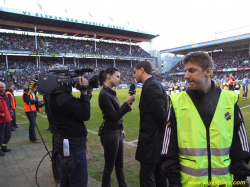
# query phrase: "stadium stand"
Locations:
[[26, 42], [222, 60], [24, 69]]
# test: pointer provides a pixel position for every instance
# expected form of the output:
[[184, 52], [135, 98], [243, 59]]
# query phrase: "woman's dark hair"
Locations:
[[102, 76]]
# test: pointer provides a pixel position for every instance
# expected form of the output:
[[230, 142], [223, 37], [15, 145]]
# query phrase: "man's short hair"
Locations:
[[146, 65], [58, 66], [246, 75], [9, 85], [200, 58]]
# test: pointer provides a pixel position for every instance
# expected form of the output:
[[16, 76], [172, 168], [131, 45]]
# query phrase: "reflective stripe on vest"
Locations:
[[27, 107], [203, 151], [192, 138], [204, 172], [13, 103]]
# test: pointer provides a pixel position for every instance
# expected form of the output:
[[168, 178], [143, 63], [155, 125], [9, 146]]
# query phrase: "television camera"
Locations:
[[62, 80]]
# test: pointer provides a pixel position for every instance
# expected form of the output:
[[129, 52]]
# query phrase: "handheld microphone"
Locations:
[[132, 90]]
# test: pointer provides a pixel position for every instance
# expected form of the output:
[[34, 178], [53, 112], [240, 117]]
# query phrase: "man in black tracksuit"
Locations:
[[153, 116]]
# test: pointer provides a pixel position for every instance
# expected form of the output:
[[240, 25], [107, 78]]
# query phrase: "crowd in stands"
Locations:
[[9, 41], [222, 60], [24, 69], [230, 59], [237, 75]]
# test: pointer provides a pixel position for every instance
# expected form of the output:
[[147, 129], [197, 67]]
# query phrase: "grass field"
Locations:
[[131, 123]]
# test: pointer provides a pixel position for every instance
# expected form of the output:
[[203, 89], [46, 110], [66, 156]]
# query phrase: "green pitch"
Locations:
[[131, 126]]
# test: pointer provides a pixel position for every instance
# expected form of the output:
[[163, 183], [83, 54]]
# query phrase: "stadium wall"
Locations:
[[168, 62], [157, 56]]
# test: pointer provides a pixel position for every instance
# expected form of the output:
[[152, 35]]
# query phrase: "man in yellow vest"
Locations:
[[10, 94], [29, 103], [205, 141]]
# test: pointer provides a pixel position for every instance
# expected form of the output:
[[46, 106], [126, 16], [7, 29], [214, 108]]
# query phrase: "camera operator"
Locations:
[[68, 114], [55, 161]]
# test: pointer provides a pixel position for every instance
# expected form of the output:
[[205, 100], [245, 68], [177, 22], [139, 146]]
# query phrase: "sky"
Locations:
[[178, 22]]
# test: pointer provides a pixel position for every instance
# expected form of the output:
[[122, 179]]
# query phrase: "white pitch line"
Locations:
[[93, 132], [245, 107], [134, 141], [128, 143], [23, 123], [37, 113]]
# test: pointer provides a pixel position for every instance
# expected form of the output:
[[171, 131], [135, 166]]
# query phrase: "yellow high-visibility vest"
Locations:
[[197, 156]]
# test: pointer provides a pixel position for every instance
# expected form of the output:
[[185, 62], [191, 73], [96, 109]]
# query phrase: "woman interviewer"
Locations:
[[112, 133]]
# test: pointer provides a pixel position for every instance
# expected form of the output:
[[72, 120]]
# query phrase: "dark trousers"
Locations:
[[5, 133], [112, 142], [151, 175], [73, 170], [32, 128], [231, 87], [55, 161], [14, 118]]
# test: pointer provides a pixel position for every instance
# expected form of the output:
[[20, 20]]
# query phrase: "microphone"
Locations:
[[132, 90], [82, 70]]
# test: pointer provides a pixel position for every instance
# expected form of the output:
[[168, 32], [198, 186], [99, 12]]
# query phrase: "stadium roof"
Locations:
[[26, 21], [211, 45]]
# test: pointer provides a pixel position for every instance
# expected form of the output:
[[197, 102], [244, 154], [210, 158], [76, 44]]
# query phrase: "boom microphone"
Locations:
[[82, 70]]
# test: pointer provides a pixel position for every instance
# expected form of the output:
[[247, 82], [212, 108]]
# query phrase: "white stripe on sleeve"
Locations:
[[243, 135], [167, 135]]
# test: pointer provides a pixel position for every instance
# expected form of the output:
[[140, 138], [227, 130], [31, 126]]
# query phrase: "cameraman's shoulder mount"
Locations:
[[53, 84], [62, 80]]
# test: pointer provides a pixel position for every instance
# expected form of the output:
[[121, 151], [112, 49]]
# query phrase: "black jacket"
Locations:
[[153, 115], [111, 109], [206, 105], [68, 114]]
